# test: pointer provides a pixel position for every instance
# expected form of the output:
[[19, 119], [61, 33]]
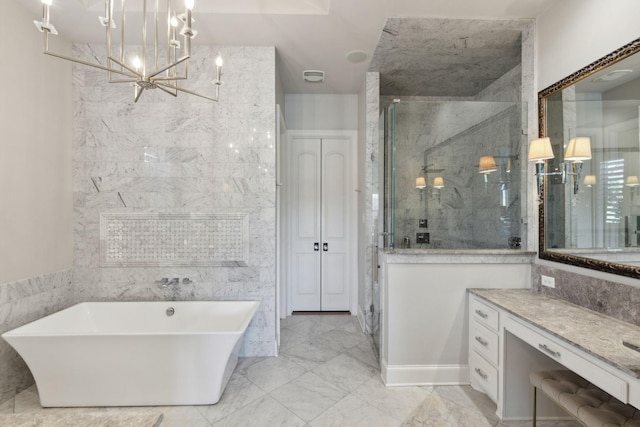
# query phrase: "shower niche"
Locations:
[[455, 166]]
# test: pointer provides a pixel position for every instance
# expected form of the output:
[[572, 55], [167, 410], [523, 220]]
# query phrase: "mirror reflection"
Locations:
[[589, 161]]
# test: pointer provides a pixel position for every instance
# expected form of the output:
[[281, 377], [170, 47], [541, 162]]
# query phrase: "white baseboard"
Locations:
[[405, 375]]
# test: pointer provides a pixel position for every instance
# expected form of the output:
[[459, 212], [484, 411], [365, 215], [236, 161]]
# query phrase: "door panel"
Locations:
[[305, 224], [335, 223], [308, 195]]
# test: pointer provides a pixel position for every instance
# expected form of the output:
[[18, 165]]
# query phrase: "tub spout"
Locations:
[[163, 283]]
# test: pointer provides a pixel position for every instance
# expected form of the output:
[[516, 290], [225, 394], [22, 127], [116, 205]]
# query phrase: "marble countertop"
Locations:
[[449, 256], [597, 334]]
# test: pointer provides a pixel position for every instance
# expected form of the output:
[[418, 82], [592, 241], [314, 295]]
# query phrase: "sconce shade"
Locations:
[[540, 150], [487, 164], [420, 182], [590, 180], [632, 181], [579, 149], [438, 182]]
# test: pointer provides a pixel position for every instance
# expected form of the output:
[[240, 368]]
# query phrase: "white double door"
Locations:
[[320, 234]]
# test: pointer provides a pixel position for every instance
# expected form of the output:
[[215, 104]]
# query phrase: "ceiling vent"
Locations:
[[612, 75], [313, 76]]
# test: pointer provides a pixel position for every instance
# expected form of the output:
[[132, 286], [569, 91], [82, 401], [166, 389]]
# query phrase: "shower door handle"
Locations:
[[325, 247], [316, 246]]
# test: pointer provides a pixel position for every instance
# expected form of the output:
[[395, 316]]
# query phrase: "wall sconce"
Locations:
[[578, 150], [438, 182], [421, 184], [487, 165], [589, 181], [632, 182]]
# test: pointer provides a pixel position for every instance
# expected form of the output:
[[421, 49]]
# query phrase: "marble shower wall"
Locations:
[[183, 155], [21, 302], [448, 136]]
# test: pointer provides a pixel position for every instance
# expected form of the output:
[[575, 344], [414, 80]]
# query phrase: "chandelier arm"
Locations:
[[168, 79], [174, 94], [90, 64], [163, 69], [137, 92], [190, 92]]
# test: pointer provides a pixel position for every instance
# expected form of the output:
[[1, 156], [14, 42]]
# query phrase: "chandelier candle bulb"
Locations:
[[45, 11]]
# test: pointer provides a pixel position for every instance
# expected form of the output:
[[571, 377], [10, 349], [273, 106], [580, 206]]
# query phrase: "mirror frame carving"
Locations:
[[594, 264]]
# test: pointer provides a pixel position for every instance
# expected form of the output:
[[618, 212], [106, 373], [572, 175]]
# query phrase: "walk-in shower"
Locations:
[[453, 175]]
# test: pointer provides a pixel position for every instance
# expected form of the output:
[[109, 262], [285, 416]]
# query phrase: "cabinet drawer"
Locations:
[[485, 342], [484, 375], [574, 360], [484, 314]]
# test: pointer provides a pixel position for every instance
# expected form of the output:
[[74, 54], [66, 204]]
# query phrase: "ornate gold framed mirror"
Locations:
[[589, 214]]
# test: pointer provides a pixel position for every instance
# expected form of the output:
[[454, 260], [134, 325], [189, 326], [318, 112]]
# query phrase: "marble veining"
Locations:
[[89, 419], [21, 302], [412, 48], [597, 334], [179, 156], [614, 299]]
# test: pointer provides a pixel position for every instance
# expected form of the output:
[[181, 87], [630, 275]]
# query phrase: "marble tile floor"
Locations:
[[326, 375]]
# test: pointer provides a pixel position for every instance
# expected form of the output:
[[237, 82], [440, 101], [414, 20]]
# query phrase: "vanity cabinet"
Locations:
[[484, 344], [515, 332]]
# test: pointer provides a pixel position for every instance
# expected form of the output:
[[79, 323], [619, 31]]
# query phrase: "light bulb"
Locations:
[[47, 2], [174, 21], [189, 4], [136, 63], [219, 61]]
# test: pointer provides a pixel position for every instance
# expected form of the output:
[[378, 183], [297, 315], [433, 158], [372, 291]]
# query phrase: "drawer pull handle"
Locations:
[[482, 314], [482, 341], [481, 373], [547, 350]]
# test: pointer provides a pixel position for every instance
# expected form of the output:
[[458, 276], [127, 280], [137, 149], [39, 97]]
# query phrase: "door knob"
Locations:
[[316, 246], [325, 247]]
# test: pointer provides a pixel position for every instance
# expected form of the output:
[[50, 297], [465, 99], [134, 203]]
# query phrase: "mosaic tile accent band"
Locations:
[[156, 239]]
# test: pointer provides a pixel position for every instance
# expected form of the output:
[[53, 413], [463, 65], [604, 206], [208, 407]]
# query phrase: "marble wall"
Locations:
[[183, 155], [613, 299], [21, 302], [368, 292]]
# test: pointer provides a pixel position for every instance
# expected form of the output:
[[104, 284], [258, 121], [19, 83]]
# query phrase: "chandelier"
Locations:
[[162, 60]]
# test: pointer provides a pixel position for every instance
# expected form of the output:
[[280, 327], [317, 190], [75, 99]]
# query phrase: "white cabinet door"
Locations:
[[320, 223]]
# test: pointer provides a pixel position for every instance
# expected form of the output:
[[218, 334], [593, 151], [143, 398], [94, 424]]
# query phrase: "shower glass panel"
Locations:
[[454, 175]]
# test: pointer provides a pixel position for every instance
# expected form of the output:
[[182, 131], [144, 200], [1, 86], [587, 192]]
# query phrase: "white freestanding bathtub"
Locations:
[[134, 353]]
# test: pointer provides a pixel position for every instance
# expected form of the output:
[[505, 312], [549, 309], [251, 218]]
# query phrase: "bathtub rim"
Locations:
[[18, 331]]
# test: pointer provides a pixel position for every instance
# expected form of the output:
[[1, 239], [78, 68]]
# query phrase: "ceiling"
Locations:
[[445, 57], [311, 34]]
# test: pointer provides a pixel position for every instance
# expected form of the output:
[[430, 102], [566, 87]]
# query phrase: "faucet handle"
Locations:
[[186, 281]]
